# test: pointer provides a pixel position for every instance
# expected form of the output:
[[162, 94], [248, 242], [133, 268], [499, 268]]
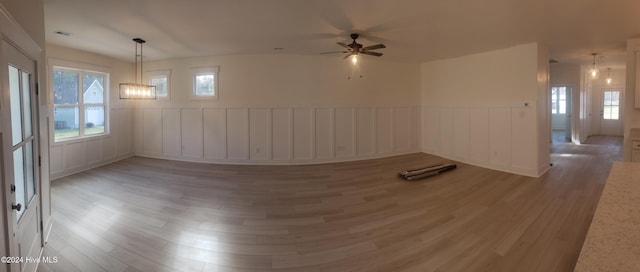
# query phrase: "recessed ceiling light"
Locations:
[[63, 33]]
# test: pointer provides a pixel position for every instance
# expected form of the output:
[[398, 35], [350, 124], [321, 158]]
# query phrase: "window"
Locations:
[[611, 107], [559, 100], [205, 82], [79, 102], [162, 80]]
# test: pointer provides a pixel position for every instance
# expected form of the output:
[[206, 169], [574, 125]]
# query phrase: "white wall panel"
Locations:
[[461, 132], [171, 132], [214, 133], [384, 130], [365, 131], [344, 132], [303, 133], [282, 134], [138, 130], [152, 131], [416, 124], [123, 124], [324, 133], [93, 150], [238, 134], [56, 160], [479, 134], [500, 136], [523, 131], [402, 129], [446, 131], [431, 130], [109, 148], [191, 133], [259, 133], [74, 156]]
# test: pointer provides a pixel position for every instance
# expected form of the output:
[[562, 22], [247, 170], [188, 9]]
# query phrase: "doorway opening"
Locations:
[[561, 114]]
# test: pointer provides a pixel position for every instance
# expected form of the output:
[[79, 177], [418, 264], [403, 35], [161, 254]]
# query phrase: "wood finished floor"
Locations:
[[144, 214]]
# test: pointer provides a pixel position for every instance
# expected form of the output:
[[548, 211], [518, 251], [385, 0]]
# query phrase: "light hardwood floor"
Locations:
[[144, 214]]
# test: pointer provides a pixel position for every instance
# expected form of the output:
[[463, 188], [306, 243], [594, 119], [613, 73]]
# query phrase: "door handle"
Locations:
[[16, 207]]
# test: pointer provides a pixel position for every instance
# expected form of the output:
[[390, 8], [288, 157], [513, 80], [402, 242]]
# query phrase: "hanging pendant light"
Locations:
[[137, 90], [594, 72], [609, 77]]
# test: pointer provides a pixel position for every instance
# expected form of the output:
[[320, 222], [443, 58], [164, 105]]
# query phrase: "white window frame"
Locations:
[[81, 68], [165, 73], [213, 70], [611, 105], [556, 97]]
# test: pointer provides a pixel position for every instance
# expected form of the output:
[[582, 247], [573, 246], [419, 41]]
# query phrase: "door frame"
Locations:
[[570, 119], [620, 120]]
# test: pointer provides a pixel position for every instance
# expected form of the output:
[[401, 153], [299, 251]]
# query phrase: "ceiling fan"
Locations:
[[355, 48]]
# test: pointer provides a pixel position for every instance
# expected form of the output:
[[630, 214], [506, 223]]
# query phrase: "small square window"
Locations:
[[205, 82], [162, 80], [204, 85]]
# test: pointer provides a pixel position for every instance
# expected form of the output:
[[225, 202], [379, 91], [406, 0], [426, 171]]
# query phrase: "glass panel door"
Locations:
[[21, 138]]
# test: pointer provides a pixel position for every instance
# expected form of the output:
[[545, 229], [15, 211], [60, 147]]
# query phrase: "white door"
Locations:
[[20, 160], [569, 111], [610, 113]]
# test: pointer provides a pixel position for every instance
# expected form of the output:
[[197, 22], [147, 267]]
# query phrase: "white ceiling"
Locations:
[[413, 30]]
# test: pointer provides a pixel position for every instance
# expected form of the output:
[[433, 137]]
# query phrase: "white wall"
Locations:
[[73, 156], [631, 113], [485, 109], [283, 109]]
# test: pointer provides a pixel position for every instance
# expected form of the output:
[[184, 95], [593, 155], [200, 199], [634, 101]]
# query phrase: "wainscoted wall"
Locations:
[[489, 109], [78, 155], [276, 135], [492, 137], [283, 109]]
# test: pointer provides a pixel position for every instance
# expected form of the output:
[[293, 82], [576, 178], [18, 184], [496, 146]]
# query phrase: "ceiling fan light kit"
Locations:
[[354, 49]]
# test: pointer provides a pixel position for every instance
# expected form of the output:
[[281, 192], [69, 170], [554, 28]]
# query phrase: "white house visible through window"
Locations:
[[162, 80], [79, 102], [205, 82], [559, 100]]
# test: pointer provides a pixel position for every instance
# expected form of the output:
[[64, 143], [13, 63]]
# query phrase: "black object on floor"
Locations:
[[425, 172]]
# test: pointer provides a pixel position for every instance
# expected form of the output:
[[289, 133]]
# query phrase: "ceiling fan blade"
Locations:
[[371, 53], [372, 47], [344, 45], [348, 55], [334, 52]]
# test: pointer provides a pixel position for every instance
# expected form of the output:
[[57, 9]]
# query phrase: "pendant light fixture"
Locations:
[[609, 76], [137, 90], [594, 72]]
